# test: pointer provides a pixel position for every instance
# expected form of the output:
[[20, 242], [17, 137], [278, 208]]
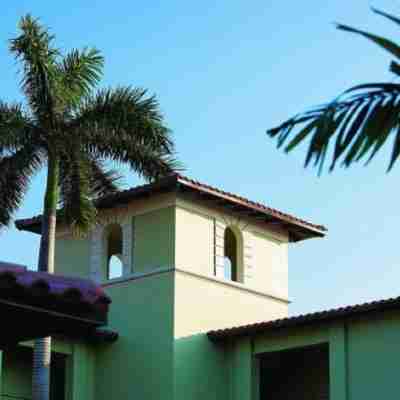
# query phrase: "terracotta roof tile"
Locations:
[[76, 295], [305, 319], [180, 182], [252, 204]]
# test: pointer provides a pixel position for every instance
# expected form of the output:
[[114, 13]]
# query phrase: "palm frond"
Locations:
[[15, 128], [75, 193], [386, 15], [360, 123], [34, 49], [16, 172], [146, 161], [126, 126], [79, 71], [102, 181], [382, 42], [129, 111], [395, 68]]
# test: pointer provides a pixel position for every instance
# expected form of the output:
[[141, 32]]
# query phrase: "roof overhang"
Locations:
[[298, 229], [36, 304], [22, 322]]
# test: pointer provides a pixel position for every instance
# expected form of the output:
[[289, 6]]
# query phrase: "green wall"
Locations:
[[201, 369], [374, 358], [154, 240], [140, 364], [364, 355], [72, 257]]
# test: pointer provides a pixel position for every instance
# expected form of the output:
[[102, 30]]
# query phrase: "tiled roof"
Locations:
[[298, 228], [80, 297], [305, 319]]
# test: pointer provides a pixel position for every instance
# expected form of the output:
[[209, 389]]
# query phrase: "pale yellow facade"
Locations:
[[206, 303], [267, 249]]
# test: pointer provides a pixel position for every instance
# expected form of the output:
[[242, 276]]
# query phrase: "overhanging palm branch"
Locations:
[[354, 126]]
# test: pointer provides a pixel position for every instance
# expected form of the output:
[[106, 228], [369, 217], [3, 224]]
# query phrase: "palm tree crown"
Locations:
[[359, 121], [74, 131]]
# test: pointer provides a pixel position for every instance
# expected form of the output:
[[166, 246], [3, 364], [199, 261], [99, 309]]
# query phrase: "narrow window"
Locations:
[[114, 251], [230, 255]]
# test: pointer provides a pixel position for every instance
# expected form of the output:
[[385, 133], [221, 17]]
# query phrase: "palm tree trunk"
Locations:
[[42, 348]]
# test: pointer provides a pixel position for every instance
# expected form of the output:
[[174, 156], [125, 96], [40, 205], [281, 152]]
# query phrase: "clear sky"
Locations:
[[224, 72]]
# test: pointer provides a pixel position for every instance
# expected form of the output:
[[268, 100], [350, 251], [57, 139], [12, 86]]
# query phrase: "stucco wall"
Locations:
[[140, 364], [153, 221], [203, 304], [270, 263], [154, 240], [264, 256], [363, 356], [373, 358], [184, 235], [194, 246], [201, 369], [72, 256]]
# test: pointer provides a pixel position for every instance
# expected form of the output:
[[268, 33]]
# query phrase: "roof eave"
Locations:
[[298, 229], [321, 317]]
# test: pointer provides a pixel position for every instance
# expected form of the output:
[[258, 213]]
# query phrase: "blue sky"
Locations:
[[224, 72]]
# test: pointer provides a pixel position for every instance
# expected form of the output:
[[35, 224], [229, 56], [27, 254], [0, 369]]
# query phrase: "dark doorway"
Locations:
[[57, 381], [296, 374]]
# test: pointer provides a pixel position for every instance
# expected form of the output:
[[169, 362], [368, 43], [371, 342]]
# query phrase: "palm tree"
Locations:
[[358, 122], [72, 132]]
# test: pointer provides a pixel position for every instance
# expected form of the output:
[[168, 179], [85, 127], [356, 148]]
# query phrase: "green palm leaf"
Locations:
[[382, 42], [17, 170], [358, 123], [391, 17]]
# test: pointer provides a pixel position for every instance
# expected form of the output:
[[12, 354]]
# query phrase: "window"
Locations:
[[114, 251], [232, 256]]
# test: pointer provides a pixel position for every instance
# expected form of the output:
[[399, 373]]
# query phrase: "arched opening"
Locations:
[[114, 251], [232, 256]]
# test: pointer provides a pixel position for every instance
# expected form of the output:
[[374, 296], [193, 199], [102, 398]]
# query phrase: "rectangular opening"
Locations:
[[295, 374]]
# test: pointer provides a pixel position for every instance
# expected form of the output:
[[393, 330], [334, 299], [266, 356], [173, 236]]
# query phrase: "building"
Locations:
[[199, 285]]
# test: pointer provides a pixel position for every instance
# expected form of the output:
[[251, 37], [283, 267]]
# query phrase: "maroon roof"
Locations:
[[298, 228], [305, 319], [77, 296]]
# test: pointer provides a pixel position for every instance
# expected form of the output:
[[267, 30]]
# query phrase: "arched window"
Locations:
[[114, 251], [232, 256]]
